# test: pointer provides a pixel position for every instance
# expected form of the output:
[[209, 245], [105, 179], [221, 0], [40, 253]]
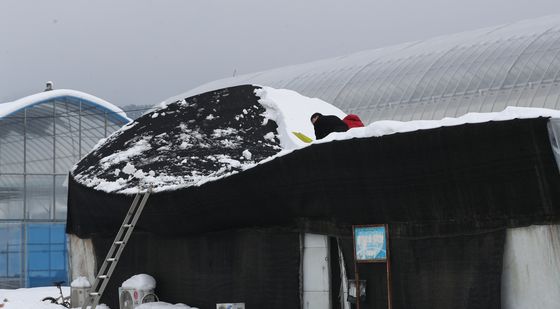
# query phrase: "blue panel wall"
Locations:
[[46, 254]]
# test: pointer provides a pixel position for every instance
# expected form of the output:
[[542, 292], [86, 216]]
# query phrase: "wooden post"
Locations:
[[388, 263], [356, 276]]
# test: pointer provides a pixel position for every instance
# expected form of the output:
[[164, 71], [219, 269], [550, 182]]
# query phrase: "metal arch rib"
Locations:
[[366, 66], [453, 48], [486, 102], [554, 78], [509, 96], [462, 62], [521, 54]]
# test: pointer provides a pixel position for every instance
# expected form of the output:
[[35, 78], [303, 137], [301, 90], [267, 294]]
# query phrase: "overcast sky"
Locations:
[[144, 51]]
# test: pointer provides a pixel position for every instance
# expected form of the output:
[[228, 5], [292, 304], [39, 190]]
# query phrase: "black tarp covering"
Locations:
[[443, 181], [257, 267], [178, 144], [448, 272]]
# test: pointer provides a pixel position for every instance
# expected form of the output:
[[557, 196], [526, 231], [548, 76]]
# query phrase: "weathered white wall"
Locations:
[[316, 272], [531, 271], [81, 257]]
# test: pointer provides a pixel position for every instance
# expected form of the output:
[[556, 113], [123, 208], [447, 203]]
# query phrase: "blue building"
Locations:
[[41, 137]]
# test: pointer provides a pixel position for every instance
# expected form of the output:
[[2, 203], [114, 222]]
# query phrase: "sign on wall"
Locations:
[[370, 243]]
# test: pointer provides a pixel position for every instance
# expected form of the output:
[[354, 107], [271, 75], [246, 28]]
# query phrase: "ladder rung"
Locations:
[[127, 225], [102, 277], [120, 242], [93, 294], [111, 259]]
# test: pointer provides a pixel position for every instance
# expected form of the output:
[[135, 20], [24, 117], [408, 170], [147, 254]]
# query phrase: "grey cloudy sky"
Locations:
[[144, 51]]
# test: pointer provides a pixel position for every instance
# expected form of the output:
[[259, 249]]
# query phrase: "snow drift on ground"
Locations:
[[30, 298], [164, 305], [220, 133]]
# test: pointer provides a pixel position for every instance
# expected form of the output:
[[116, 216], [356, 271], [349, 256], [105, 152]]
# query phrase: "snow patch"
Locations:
[[80, 282], [140, 282], [164, 305], [136, 150], [129, 169], [270, 136], [247, 154]]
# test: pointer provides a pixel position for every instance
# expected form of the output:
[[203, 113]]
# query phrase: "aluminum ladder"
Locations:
[[116, 249]]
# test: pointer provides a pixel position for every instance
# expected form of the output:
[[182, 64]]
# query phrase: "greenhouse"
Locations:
[[484, 70], [41, 137], [472, 207]]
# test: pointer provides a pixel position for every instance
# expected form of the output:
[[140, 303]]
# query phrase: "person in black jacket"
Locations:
[[326, 124]]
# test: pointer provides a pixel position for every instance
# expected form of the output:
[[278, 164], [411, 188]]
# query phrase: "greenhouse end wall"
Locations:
[[39, 143]]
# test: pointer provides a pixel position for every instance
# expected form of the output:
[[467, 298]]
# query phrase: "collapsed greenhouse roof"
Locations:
[[491, 171]]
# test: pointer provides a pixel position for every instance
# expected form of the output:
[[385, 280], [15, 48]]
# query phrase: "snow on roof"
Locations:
[[184, 143], [292, 112], [386, 127], [11, 107], [207, 137]]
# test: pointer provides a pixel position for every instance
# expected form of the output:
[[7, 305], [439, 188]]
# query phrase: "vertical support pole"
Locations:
[[356, 275], [388, 263], [25, 164], [8, 255], [80, 132], [25, 218], [1, 146], [301, 252], [53, 211]]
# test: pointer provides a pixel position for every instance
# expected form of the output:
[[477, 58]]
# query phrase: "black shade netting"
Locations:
[[443, 181], [462, 272], [257, 267]]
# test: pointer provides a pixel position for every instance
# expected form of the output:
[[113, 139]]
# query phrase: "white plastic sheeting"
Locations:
[[81, 257], [316, 272], [531, 271]]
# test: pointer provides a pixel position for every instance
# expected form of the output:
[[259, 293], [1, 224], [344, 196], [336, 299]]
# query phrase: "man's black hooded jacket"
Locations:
[[327, 124]]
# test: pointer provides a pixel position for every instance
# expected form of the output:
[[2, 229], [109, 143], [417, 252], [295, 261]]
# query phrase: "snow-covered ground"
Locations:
[[31, 299]]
